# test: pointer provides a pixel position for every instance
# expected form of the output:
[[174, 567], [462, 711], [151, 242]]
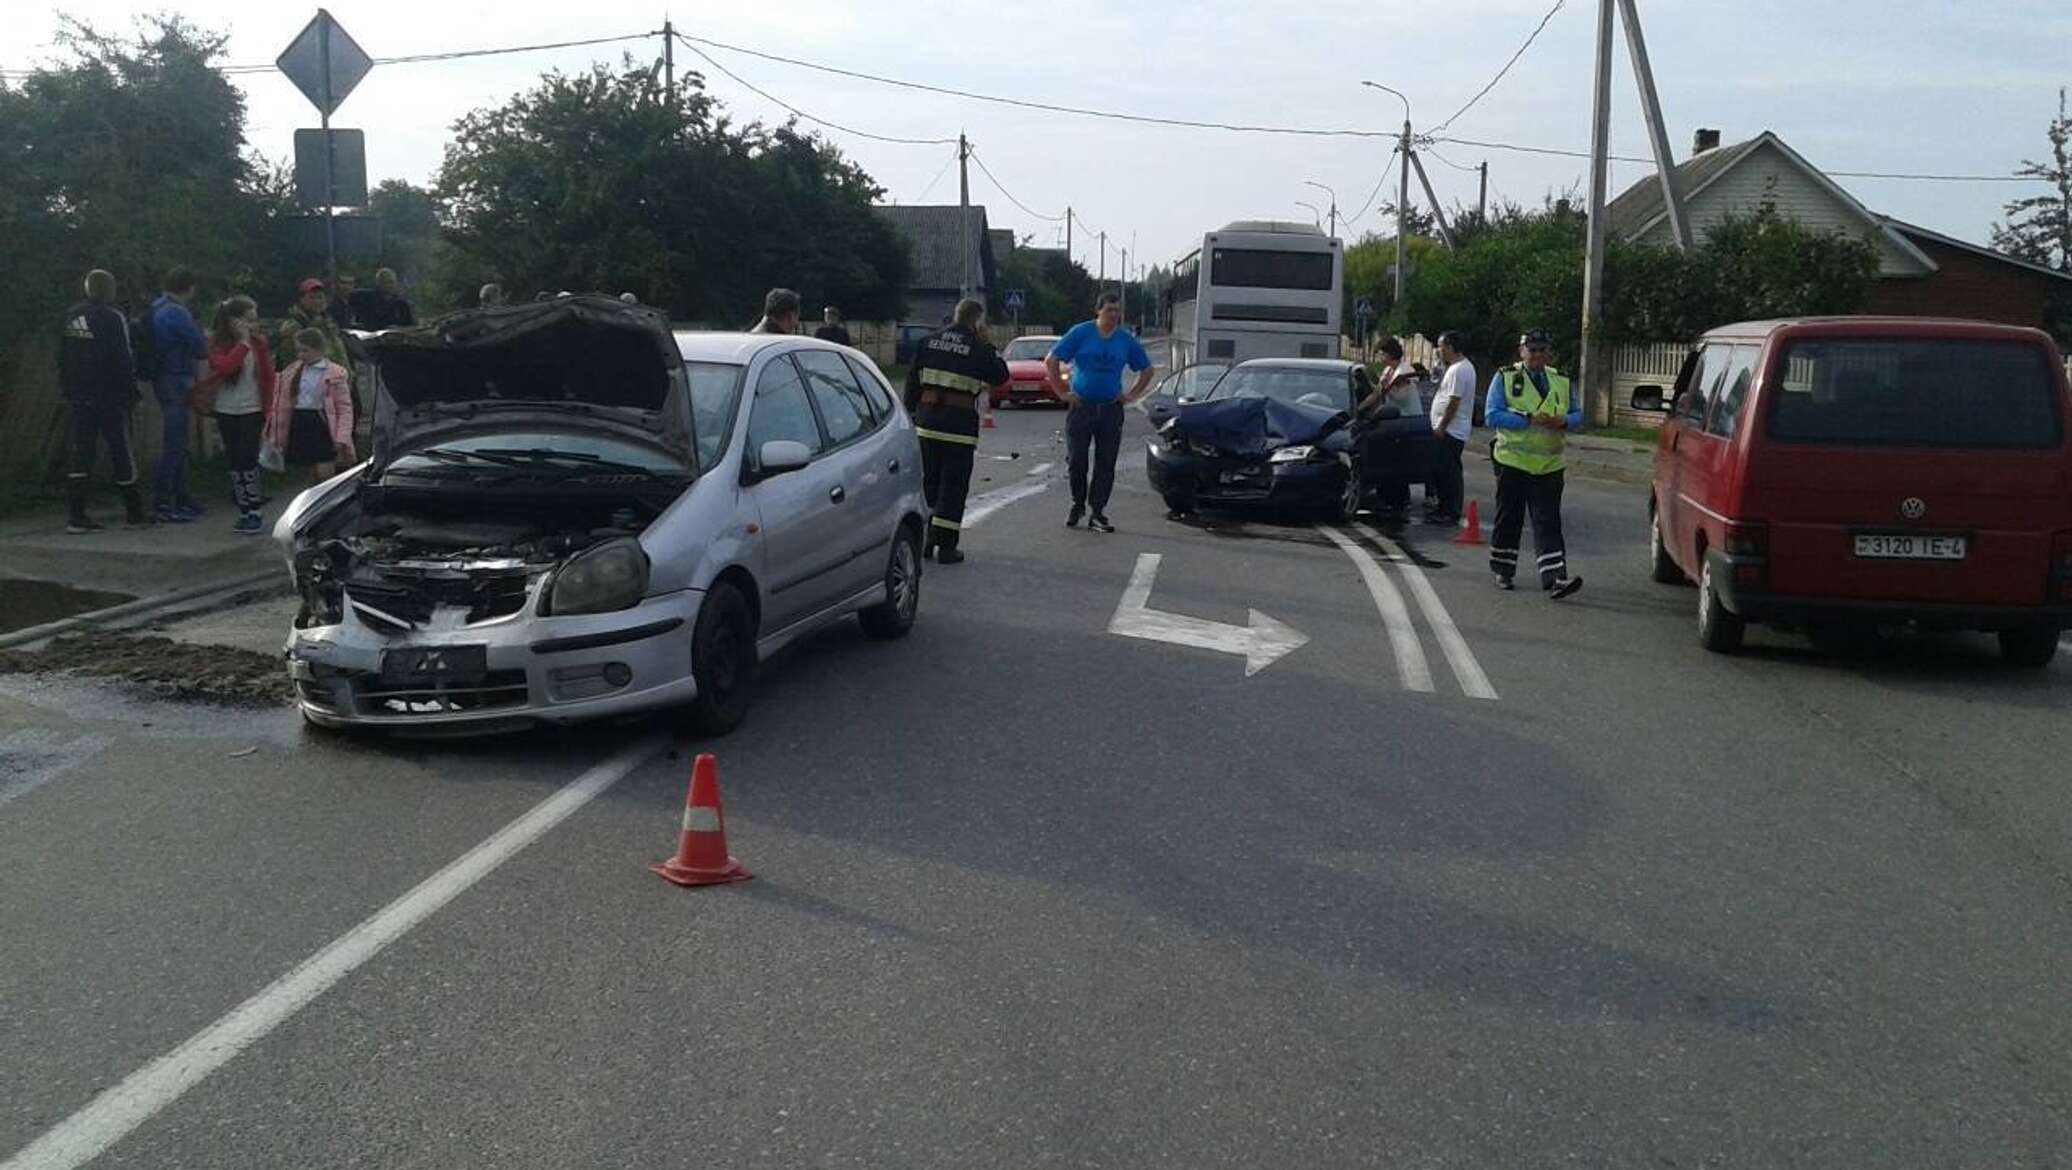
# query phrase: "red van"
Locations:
[[1846, 473]]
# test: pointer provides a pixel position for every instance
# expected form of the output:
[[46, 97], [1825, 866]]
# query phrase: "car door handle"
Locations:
[[892, 466], [836, 494]]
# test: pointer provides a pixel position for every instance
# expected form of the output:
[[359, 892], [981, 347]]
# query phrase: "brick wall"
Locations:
[[1969, 286]]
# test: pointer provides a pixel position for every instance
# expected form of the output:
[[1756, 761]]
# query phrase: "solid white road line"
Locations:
[[985, 505], [1395, 616], [1473, 682], [107, 1118], [1039, 469]]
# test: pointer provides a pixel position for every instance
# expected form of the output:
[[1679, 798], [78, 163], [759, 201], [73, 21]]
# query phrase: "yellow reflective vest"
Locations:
[[1534, 450]]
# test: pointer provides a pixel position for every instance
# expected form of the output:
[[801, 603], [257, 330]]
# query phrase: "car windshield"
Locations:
[[1916, 393], [1323, 388], [1028, 349], [715, 392]]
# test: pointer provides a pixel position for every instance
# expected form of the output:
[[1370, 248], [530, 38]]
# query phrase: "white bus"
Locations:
[[1259, 289]]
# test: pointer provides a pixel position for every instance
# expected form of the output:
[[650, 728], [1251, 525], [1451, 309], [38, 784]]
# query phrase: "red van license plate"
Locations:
[[1909, 546]]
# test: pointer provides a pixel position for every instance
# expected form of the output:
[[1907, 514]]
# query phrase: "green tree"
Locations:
[[607, 181], [1058, 292], [2039, 227]]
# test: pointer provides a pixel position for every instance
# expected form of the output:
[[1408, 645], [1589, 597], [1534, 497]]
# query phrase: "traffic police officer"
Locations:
[[951, 369], [1532, 409]]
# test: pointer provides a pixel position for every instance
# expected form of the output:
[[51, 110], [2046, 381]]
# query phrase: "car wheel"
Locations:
[[1718, 630], [1349, 499], [1662, 567], [722, 660], [894, 616], [2033, 647]]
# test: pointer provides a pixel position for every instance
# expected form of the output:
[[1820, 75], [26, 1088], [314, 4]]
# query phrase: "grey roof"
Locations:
[[1641, 204], [933, 242]]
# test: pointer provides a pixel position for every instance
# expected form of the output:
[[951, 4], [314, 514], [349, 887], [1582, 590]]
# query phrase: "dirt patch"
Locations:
[[170, 670]]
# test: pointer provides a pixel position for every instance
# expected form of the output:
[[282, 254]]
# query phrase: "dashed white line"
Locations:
[[1395, 616], [1473, 682], [1039, 469], [109, 1117]]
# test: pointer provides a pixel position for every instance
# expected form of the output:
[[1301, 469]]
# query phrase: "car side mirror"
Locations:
[[1334, 424], [1649, 398], [779, 456]]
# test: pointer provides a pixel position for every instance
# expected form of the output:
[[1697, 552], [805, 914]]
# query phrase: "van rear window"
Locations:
[[1915, 393]]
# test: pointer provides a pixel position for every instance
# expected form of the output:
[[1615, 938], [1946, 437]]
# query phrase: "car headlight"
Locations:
[[609, 576], [1293, 454]]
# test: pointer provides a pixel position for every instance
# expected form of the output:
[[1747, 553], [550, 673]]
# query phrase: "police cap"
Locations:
[[1536, 339]]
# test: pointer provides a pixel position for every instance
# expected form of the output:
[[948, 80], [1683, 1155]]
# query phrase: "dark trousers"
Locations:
[[945, 480], [1097, 425], [170, 481], [241, 451], [1519, 493], [1448, 492], [92, 428]]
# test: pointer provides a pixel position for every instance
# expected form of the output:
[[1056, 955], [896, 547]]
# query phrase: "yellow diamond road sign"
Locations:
[[324, 63]]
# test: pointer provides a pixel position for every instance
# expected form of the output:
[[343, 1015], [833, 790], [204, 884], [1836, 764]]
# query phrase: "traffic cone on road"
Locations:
[[986, 422], [701, 853], [1471, 531]]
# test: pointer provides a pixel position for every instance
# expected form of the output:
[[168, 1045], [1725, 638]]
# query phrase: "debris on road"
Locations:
[[167, 669]]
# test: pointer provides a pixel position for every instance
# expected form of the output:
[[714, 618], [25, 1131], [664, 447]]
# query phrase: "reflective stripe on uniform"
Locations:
[[952, 525], [948, 380], [947, 436]]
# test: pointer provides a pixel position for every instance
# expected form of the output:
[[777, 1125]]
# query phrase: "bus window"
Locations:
[[1255, 268]]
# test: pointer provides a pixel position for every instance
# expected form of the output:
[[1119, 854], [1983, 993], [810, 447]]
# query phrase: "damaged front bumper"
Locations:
[[521, 668]]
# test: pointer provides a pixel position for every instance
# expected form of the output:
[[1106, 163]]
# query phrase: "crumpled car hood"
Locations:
[[1253, 427]]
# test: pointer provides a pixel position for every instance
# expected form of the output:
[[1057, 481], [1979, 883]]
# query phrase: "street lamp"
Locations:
[[1402, 188], [1334, 202], [1315, 212]]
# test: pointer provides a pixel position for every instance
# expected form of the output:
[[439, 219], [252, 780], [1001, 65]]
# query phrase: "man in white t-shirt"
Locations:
[[1453, 419]]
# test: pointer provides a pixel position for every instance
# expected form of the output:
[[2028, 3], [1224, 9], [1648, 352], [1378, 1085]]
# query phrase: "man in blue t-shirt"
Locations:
[[1098, 350]]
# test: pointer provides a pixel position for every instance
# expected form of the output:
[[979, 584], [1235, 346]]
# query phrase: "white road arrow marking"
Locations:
[[1261, 643]]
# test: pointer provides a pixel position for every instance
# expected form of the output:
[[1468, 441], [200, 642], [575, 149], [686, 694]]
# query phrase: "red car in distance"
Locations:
[[1024, 357]]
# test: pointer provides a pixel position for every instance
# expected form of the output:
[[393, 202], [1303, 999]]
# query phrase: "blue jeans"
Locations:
[[170, 481]]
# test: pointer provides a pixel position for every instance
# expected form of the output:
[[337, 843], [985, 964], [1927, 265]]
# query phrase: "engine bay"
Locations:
[[405, 559]]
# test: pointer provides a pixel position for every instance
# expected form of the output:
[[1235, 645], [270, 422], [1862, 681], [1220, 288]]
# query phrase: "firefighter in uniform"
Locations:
[[1532, 408], [951, 369]]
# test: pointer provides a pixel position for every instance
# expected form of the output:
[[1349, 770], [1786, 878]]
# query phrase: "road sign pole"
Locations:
[[330, 154]]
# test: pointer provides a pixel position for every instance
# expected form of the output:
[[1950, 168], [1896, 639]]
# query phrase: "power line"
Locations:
[[1374, 194], [751, 86], [995, 179], [1507, 66], [1627, 158], [411, 59], [1035, 105], [1449, 162], [947, 164]]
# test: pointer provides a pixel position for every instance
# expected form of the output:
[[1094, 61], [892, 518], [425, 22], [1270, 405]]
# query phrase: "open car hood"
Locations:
[[575, 357], [1252, 427]]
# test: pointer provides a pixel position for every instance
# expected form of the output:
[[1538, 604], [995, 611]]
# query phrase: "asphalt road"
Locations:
[[1031, 893]]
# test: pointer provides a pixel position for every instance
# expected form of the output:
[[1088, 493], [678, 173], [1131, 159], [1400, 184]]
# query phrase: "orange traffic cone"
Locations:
[[1471, 532], [701, 855], [986, 423]]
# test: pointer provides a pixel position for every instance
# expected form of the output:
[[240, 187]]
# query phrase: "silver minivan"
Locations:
[[572, 512]]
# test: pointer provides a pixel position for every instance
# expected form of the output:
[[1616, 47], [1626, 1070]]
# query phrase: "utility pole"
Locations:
[[669, 58], [1101, 281], [1658, 133], [1438, 213], [1403, 207], [1595, 383], [1333, 214], [1482, 194], [1122, 285], [964, 212], [1068, 233]]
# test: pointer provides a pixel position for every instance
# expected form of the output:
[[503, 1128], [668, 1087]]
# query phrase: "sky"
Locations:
[[1853, 85]]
